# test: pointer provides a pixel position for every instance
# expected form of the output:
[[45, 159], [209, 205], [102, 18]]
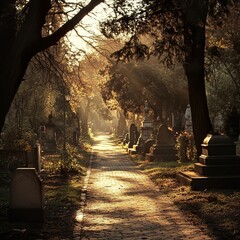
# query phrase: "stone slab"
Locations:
[[216, 170], [197, 182], [219, 160]]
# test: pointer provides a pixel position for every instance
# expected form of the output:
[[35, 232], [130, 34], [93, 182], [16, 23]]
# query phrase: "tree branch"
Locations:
[[69, 25]]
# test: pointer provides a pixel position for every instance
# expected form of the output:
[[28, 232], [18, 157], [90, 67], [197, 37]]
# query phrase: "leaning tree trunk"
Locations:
[[194, 67]]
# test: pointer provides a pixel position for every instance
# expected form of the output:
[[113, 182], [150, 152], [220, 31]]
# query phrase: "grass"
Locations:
[[61, 199], [219, 210]]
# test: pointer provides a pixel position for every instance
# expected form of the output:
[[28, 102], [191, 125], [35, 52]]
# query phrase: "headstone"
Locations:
[[218, 165], [164, 148], [132, 135], [188, 119], [147, 145], [26, 196], [146, 131]]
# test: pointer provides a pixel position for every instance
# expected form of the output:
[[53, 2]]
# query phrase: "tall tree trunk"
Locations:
[[84, 119], [194, 38], [7, 33]]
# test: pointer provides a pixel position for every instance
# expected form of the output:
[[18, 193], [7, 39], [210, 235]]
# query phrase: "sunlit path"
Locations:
[[122, 203]]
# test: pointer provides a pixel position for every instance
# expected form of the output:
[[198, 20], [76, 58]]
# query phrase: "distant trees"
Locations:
[[27, 30], [173, 30]]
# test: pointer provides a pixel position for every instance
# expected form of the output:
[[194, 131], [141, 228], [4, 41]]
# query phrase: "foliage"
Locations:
[[71, 161], [162, 22], [176, 32], [131, 84], [222, 64], [13, 140], [186, 147]]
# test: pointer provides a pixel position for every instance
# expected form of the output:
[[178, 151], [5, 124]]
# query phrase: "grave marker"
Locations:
[[26, 196]]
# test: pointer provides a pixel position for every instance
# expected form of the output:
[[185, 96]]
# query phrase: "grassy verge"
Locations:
[[61, 199], [219, 210]]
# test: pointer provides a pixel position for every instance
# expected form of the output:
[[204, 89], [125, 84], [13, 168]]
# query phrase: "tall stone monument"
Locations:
[[146, 131]]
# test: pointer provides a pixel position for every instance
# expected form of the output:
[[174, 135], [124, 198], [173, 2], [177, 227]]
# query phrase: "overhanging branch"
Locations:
[[69, 25]]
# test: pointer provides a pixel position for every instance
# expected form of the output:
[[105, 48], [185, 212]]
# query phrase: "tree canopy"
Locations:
[[32, 26], [176, 30]]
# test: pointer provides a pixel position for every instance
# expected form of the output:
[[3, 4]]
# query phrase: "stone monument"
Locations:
[[26, 196], [218, 166], [164, 148], [146, 131]]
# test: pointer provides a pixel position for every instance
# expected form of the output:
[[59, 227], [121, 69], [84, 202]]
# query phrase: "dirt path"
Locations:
[[122, 203]]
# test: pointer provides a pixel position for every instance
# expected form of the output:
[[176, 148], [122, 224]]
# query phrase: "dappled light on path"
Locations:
[[103, 144], [122, 203]]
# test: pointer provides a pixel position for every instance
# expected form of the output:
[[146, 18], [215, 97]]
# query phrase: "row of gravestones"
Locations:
[[218, 166], [163, 148]]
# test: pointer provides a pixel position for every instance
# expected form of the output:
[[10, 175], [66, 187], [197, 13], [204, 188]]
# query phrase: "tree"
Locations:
[[23, 25], [177, 32], [222, 64], [131, 84]]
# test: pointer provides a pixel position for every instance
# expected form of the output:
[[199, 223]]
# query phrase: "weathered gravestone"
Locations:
[[164, 148], [146, 146], [218, 165], [26, 196], [132, 135]]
